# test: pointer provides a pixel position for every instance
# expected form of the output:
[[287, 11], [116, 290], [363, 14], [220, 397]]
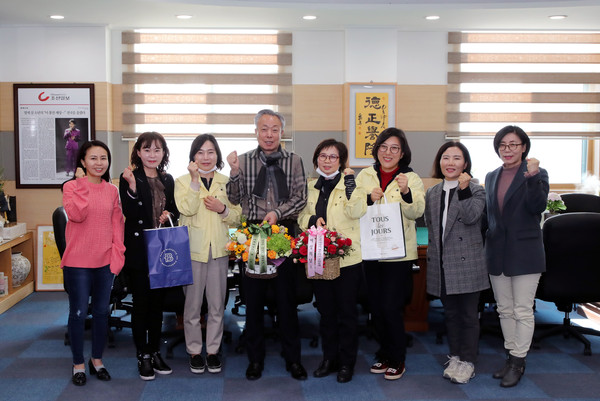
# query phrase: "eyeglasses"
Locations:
[[511, 146], [332, 158], [393, 149]]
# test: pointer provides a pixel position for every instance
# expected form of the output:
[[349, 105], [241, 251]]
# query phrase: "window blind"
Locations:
[[548, 83], [188, 82]]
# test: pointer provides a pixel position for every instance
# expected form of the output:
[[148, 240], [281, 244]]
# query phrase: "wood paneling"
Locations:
[[318, 107], [6, 107], [117, 107], [35, 206], [421, 107]]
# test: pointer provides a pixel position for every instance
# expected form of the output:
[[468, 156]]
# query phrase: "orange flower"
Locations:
[[271, 254], [275, 229], [245, 256]]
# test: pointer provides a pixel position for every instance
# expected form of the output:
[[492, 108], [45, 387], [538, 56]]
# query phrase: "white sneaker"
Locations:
[[452, 366], [465, 371]]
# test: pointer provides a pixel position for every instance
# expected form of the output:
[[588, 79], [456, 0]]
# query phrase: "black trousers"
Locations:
[[389, 285], [147, 313], [461, 312], [336, 302], [284, 289]]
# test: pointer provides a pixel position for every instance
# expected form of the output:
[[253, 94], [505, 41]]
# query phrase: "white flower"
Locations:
[[241, 238]]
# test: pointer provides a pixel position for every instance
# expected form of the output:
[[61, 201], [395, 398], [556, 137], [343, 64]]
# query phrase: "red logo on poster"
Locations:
[[43, 99]]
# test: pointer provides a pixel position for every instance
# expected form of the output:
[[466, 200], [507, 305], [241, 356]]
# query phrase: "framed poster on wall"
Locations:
[[51, 121], [372, 109], [48, 274]]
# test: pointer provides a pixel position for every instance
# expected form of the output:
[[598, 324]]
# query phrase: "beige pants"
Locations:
[[212, 277], [514, 297]]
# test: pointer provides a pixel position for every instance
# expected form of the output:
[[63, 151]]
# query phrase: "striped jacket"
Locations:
[[241, 186]]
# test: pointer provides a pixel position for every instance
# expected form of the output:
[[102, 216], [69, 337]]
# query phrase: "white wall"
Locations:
[[362, 55], [422, 58], [48, 54], [318, 57]]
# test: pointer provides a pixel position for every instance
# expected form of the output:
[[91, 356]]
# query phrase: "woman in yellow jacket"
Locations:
[[389, 282], [334, 203], [201, 198]]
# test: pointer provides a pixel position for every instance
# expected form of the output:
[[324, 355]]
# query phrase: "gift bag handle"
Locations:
[[171, 221]]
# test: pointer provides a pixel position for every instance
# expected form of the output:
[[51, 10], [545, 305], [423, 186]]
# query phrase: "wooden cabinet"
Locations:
[[416, 313], [23, 244]]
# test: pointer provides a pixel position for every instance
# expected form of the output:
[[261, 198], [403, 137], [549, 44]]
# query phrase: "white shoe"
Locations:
[[452, 366], [464, 372]]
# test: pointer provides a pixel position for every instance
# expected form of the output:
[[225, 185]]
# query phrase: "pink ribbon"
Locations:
[[315, 256]]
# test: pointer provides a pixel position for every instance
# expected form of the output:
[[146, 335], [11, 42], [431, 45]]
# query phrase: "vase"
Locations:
[[20, 268]]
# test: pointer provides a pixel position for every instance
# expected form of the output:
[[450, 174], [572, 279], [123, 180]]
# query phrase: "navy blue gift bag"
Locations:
[[169, 258]]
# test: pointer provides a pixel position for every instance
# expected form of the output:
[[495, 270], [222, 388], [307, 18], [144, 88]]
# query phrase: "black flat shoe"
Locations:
[[345, 374], [101, 374], [254, 371], [297, 370], [326, 367], [79, 379]]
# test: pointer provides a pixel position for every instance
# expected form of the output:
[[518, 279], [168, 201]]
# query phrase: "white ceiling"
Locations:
[[287, 14]]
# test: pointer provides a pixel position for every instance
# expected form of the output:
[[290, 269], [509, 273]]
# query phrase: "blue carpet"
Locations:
[[36, 365]]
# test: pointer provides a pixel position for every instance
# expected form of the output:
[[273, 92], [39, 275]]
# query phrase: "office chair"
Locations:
[[118, 292], [572, 270], [578, 202]]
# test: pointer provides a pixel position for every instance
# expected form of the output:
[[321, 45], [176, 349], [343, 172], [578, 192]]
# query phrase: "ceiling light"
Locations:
[[309, 17], [57, 16], [184, 16], [432, 17], [557, 17]]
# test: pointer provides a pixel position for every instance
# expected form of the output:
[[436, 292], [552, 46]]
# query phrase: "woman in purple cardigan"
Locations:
[[72, 136], [517, 193]]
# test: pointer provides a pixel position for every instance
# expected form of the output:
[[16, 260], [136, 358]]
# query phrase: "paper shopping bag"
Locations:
[[169, 257], [382, 232]]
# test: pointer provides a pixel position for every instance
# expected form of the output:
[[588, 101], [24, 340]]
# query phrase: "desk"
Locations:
[[416, 313]]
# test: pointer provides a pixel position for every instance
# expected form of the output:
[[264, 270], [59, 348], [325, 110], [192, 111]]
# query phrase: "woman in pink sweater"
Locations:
[[94, 253]]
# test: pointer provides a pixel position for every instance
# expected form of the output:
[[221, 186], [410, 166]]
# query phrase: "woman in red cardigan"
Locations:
[[94, 253]]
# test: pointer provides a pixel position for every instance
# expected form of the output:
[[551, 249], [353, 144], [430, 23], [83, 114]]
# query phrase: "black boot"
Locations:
[[515, 371], [499, 374]]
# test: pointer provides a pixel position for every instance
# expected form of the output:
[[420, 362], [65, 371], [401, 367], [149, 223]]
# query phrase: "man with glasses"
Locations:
[[270, 184]]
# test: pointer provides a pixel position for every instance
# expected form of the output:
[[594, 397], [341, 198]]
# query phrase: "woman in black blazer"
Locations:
[[517, 194], [147, 196]]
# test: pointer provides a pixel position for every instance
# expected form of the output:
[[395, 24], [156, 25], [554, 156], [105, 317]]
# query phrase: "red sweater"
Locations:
[[95, 227]]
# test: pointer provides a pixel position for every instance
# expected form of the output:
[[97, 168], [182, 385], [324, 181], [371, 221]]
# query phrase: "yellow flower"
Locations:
[[244, 224], [275, 229]]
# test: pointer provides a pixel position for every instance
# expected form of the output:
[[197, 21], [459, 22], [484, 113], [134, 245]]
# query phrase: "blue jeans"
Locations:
[[80, 283]]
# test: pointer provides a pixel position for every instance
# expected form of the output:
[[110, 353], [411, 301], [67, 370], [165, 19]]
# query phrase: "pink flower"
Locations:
[[553, 196]]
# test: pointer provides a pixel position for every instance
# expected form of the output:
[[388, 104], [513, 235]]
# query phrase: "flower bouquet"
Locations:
[[555, 203], [321, 250], [262, 246]]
